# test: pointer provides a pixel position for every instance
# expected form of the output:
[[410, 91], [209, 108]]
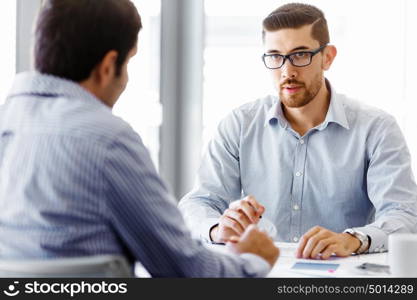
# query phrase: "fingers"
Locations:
[[239, 217], [256, 205], [250, 207], [305, 238], [257, 242], [328, 252], [316, 242], [248, 211], [323, 243], [234, 239], [231, 224], [250, 230], [237, 244], [253, 232], [320, 246]]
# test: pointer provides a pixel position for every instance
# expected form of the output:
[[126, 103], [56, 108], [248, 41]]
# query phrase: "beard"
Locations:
[[302, 97]]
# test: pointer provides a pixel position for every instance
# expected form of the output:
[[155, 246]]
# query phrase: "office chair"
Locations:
[[87, 266]]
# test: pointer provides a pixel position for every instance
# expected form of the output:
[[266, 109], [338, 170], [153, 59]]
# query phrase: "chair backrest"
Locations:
[[86, 266]]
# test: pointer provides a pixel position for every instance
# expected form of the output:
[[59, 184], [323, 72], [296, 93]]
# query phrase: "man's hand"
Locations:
[[320, 242], [236, 219], [255, 241]]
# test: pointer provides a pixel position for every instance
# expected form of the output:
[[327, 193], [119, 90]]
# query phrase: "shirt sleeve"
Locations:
[[391, 185], [218, 180], [150, 225]]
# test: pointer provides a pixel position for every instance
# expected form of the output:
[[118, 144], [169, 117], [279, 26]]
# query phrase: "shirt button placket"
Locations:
[[296, 198]]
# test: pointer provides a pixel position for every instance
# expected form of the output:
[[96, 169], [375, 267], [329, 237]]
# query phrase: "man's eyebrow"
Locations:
[[292, 50]]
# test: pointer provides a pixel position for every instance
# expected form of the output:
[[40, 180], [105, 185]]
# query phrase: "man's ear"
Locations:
[[106, 70], [329, 55]]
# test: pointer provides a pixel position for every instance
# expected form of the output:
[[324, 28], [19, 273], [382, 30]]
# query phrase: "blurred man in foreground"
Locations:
[[75, 179]]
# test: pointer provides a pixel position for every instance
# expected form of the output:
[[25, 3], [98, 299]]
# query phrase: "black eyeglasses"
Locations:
[[297, 59]]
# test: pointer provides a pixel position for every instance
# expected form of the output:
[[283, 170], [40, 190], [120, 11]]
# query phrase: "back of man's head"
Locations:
[[73, 36], [296, 15]]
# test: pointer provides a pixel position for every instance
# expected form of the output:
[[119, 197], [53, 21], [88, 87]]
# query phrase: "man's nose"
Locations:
[[288, 70]]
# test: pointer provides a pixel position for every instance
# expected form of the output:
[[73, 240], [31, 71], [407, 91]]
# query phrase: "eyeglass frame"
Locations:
[[288, 56]]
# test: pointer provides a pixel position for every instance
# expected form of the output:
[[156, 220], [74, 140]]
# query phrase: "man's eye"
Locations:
[[300, 54]]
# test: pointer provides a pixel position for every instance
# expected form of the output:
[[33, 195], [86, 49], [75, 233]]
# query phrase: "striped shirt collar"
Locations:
[[45, 85]]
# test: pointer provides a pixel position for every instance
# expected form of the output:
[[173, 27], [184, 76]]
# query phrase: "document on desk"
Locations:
[[304, 267], [323, 269], [288, 265]]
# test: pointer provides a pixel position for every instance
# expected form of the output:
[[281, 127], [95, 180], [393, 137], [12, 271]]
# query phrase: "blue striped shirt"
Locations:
[[352, 170], [75, 180]]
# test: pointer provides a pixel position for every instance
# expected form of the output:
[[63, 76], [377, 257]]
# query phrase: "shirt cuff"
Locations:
[[255, 265], [379, 239], [205, 227]]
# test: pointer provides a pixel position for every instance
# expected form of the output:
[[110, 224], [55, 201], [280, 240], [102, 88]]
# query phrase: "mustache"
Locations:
[[291, 82]]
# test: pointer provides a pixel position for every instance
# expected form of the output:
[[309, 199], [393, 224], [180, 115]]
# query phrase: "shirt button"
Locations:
[[298, 174], [302, 142], [296, 207], [295, 239]]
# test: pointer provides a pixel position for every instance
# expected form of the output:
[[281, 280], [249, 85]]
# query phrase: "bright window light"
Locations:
[[8, 46], [139, 105]]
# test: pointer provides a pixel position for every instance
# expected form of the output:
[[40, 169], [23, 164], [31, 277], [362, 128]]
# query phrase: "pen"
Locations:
[[217, 243]]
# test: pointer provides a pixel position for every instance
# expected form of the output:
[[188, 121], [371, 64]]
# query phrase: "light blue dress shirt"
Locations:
[[75, 180], [351, 171]]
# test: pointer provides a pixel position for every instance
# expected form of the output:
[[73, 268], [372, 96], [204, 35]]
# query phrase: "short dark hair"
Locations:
[[296, 15], [73, 36]]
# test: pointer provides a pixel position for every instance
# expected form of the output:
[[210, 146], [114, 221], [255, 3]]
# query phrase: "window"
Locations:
[[139, 105], [234, 73], [8, 46]]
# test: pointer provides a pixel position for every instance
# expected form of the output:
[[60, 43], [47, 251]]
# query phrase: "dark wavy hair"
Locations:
[[73, 36]]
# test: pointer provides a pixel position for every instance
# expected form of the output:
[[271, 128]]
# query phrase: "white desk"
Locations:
[[347, 266]]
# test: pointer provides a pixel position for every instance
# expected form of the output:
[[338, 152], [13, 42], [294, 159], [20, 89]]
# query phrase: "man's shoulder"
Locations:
[[258, 104], [358, 111], [84, 119], [102, 125], [256, 109]]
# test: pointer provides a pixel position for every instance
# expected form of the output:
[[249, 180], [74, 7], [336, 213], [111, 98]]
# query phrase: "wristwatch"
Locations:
[[363, 238]]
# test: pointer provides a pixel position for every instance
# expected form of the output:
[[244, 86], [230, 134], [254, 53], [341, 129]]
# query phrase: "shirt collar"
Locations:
[[45, 85], [276, 115], [336, 112]]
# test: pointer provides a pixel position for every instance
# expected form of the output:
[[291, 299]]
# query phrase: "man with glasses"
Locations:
[[328, 172]]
